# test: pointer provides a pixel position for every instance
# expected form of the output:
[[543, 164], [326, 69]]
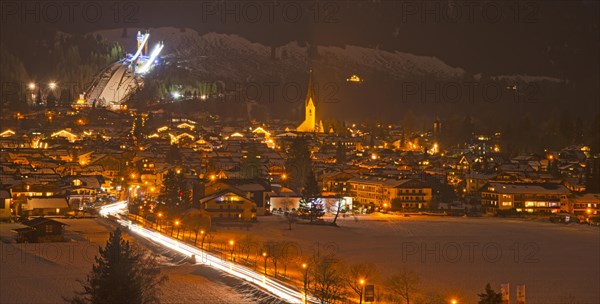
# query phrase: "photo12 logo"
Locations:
[[275, 91], [467, 12], [60, 253], [69, 12], [469, 92], [269, 12], [470, 252]]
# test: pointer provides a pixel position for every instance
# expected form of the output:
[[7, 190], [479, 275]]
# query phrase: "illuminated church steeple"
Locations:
[[310, 112]]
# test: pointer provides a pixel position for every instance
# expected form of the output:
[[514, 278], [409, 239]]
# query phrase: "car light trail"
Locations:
[[278, 289], [113, 209]]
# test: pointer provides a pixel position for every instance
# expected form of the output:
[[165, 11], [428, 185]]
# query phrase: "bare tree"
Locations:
[[403, 286], [328, 279], [360, 271], [430, 297], [248, 244], [290, 253], [197, 221], [291, 219], [287, 203], [274, 252], [337, 212]]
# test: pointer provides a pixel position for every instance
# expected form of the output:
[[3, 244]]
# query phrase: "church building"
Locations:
[[310, 121]]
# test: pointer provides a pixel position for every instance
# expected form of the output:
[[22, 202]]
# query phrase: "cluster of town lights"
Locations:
[[52, 85]]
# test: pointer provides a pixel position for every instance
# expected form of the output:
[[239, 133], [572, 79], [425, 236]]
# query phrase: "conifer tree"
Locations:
[[121, 274]]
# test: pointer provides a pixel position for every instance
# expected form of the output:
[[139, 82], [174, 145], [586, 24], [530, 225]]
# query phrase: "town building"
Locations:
[[584, 205], [310, 119], [228, 205], [523, 197], [41, 229], [390, 193]]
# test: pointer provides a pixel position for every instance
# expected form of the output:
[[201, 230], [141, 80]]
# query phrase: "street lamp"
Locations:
[[203, 235], [158, 221], [231, 243], [265, 257], [305, 267], [31, 86], [172, 229], [454, 301], [362, 289], [52, 85]]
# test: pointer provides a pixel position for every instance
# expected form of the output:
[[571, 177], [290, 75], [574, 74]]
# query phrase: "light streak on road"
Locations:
[[113, 209], [276, 288]]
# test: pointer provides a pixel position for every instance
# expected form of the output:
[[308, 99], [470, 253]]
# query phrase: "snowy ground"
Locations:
[[456, 256], [45, 273]]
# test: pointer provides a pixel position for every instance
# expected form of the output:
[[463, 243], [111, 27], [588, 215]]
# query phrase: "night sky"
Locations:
[[543, 38]]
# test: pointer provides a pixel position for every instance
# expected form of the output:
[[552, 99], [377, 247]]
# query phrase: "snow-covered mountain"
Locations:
[[233, 57]]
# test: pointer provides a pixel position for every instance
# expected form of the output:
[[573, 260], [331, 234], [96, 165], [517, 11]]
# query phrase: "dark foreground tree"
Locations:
[[327, 277], [403, 286], [358, 272], [121, 274], [490, 296]]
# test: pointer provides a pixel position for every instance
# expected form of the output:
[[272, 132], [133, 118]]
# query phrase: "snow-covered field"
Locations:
[[456, 257], [45, 273]]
